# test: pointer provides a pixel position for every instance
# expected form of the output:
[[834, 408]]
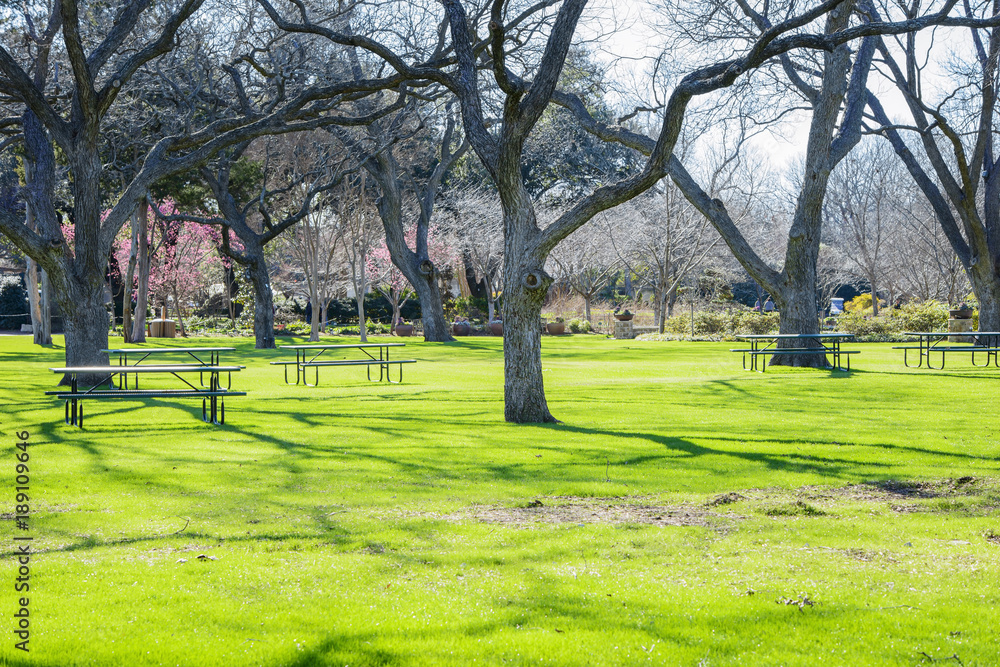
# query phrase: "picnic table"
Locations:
[[303, 360], [762, 345], [212, 395], [203, 356], [984, 342]]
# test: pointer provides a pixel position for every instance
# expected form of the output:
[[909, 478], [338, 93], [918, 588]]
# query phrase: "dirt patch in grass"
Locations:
[[964, 494], [593, 510], [913, 496]]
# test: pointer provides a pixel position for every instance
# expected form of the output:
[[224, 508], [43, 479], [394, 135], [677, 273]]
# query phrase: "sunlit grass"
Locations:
[[356, 523]]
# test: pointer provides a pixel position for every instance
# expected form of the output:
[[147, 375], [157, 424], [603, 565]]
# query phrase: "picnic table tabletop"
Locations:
[[170, 368], [832, 334], [931, 334], [339, 346], [163, 350]]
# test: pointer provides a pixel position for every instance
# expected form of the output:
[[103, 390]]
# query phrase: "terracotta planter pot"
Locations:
[[622, 317], [556, 328], [496, 328], [960, 314], [461, 328], [404, 329]]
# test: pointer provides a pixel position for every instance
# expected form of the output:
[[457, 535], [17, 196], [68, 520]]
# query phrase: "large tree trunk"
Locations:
[[524, 392], [525, 286], [142, 289], [798, 313], [796, 295], [85, 323], [436, 328], [263, 299], [986, 285], [80, 290]]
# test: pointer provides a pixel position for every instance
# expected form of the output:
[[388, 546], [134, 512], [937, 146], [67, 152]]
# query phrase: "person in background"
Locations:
[[756, 306], [768, 306]]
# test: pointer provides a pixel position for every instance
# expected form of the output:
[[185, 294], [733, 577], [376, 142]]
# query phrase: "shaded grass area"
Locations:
[[356, 523]]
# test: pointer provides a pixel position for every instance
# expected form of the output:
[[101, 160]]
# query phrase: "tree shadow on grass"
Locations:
[[833, 467]]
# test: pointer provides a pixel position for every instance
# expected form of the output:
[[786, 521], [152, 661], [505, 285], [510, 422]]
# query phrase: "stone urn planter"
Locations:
[[404, 329], [624, 317], [960, 313], [461, 329], [556, 328], [496, 327]]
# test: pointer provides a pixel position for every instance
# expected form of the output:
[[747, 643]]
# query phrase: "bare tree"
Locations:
[[478, 236], [313, 244], [586, 261], [105, 52], [863, 212], [923, 263], [359, 235], [257, 214], [523, 102], [374, 144], [951, 156]]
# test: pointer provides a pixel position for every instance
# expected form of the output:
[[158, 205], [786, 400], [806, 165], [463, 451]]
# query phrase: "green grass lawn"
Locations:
[[685, 512]]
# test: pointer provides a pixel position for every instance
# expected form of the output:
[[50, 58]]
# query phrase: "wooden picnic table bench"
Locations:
[[985, 342], [762, 345], [213, 406], [304, 361]]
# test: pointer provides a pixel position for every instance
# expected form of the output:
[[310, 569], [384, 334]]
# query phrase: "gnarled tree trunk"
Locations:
[[263, 298]]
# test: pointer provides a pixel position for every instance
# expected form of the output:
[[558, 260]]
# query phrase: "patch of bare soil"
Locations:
[[897, 493], [718, 512], [593, 510]]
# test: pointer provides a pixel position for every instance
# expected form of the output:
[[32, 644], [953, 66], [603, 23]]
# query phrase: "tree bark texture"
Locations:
[[525, 286], [142, 263], [263, 298], [85, 323], [41, 319], [133, 255]]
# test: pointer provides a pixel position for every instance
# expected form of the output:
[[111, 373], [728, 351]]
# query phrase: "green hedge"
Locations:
[[13, 304], [725, 323], [891, 323], [887, 327]]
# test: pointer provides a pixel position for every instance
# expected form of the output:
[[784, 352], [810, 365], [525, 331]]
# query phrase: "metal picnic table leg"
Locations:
[[941, 367], [214, 381], [74, 409]]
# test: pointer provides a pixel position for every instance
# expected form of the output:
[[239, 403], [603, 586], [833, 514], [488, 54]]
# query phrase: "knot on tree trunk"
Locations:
[[426, 267], [534, 280]]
